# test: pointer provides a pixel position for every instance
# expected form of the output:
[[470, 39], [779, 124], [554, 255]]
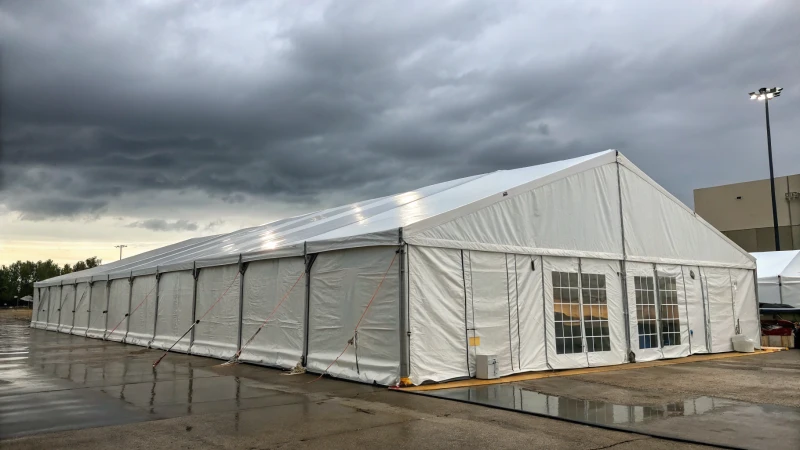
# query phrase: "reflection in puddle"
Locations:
[[589, 411]]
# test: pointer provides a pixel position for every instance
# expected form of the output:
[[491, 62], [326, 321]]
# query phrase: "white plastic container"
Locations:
[[743, 344]]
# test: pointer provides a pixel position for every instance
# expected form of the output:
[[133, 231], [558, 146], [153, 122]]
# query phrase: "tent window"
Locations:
[[595, 312], [566, 312], [646, 318], [670, 319]]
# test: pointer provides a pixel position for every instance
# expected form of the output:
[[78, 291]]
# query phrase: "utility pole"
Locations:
[[765, 94], [120, 247]]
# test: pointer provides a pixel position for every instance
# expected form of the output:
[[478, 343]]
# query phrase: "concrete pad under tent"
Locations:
[[579, 263]]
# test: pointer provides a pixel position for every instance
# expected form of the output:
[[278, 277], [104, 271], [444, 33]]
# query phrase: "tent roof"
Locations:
[[371, 222], [785, 264]]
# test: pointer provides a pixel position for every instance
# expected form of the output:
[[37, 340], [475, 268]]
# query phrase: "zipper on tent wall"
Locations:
[[242, 270], [155, 319], [309, 260], [195, 275], [405, 334], [780, 290], [624, 278]]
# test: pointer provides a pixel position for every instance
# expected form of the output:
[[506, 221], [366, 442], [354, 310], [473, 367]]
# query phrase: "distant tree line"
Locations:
[[16, 280]]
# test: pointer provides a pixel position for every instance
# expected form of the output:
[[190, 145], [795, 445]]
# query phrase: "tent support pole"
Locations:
[[758, 305], [624, 274], [309, 262], [60, 304], [242, 270], [74, 305], [195, 275], [128, 315], [780, 289], [89, 308], [108, 303], [405, 334], [155, 316]]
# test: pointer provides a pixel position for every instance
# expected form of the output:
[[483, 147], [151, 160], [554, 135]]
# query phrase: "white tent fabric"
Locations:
[[719, 294], [80, 322], [53, 308], [97, 299], [118, 306], [67, 309], [695, 310], [142, 319], [175, 298], [779, 277], [437, 296], [343, 283], [266, 284], [575, 263], [217, 334]]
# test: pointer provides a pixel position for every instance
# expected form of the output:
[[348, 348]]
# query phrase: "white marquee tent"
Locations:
[[576, 263], [779, 277]]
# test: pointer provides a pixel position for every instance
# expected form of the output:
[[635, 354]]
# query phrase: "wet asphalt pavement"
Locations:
[[64, 391]]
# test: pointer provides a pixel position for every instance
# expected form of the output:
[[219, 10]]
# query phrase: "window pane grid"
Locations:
[[646, 314], [595, 312], [566, 312], [670, 316]]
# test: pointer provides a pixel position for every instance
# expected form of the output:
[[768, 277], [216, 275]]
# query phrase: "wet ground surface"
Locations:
[[711, 420], [63, 391]]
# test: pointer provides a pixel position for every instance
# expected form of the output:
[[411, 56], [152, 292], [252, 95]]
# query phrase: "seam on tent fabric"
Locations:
[[557, 176], [466, 327], [638, 172], [472, 298], [686, 308], [583, 322], [733, 302], [544, 311], [516, 292], [508, 300]]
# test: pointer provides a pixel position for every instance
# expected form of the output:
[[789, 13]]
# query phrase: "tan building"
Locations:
[[743, 212]]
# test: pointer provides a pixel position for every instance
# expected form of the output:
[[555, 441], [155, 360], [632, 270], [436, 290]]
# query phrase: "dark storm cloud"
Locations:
[[356, 100], [165, 225]]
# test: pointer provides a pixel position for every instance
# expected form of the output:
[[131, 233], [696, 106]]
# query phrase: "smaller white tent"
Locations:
[[779, 277]]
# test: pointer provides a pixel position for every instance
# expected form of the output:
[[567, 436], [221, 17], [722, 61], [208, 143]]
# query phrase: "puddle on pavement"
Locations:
[[709, 420], [590, 411]]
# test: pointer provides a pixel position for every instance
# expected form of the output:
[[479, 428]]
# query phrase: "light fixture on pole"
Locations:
[[120, 247], [765, 95]]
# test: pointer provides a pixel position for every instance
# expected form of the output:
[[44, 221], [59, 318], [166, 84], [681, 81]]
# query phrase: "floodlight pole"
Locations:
[[772, 182]]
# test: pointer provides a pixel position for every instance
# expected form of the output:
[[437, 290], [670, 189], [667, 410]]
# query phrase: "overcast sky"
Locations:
[[149, 122]]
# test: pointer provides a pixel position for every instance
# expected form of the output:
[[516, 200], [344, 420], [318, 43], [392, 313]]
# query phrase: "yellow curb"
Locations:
[[588, 370]]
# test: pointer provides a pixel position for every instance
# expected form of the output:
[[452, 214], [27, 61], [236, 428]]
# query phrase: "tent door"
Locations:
[[719, 297], [488, 310], [566, 344], [643, 312]]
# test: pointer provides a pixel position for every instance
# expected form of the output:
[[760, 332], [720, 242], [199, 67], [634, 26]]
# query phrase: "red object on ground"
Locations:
[[776, 328]]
